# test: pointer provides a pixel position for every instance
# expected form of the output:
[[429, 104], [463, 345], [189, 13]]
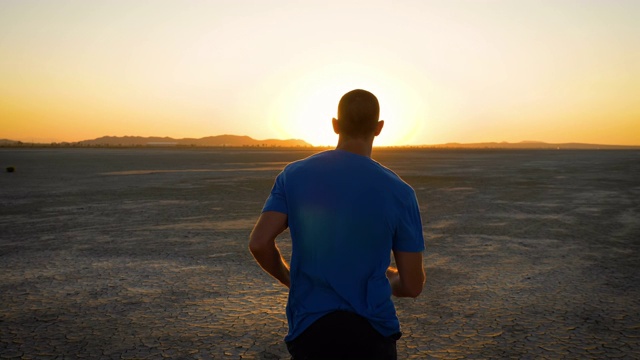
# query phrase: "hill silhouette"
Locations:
[[220, 140], [531, 145], [9, 142], [246, 141]]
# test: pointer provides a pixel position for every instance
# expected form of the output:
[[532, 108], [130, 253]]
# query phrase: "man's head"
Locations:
[[358, 114]]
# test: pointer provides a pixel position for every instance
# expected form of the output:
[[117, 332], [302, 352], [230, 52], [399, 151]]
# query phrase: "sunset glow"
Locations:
[[444, 71], [305, 109]]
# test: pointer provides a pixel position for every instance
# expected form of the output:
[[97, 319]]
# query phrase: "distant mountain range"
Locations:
[[529, 145], [9, 142], [220, 140], [244, 141]]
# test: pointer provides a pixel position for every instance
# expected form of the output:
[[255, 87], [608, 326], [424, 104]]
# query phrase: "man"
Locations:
[[346, 214]]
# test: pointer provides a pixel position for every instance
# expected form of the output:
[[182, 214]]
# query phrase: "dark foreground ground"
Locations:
[[124, 254]]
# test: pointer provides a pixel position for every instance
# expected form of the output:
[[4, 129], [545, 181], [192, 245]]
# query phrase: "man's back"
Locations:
[[346, 213]]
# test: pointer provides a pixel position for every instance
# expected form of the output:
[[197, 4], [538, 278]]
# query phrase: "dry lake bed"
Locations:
[[142, 253]]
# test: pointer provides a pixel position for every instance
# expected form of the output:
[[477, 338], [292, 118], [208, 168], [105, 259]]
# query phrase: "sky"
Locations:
[[443, 71]]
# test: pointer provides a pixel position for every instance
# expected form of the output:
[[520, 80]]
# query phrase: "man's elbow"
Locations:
[[254, 247], [414, 290], [257, 244]]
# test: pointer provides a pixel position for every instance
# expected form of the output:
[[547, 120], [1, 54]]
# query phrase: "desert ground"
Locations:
[[142, 253]]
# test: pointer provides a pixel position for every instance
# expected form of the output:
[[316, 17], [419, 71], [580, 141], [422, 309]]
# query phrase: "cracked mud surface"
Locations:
[[142, 253]]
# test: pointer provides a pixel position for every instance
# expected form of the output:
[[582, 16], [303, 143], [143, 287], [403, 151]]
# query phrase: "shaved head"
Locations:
[[358, 113]]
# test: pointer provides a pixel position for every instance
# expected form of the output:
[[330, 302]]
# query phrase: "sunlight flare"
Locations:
[[305, 107]]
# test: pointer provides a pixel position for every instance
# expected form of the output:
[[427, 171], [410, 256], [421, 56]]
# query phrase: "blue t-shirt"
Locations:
[[346, 212]]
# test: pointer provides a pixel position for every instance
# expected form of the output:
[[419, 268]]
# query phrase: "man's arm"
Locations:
[[408, 279], [262, 244]]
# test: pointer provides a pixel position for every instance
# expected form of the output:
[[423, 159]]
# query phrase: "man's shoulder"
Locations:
[[327, 160], [308, 161], [395, 179]]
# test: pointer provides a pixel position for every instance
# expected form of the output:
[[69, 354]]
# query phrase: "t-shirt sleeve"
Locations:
[[277, 200], [408, 236]]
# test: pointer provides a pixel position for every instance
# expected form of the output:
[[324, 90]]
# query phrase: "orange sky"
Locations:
[[444, 71]]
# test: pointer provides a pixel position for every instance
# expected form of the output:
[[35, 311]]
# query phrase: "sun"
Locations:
[[304, 108], [307, 115]]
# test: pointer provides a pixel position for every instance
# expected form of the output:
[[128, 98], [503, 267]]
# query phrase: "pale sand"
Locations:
[[135, 253]]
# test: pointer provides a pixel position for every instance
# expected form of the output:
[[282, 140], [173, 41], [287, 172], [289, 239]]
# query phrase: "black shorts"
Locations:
[[342, 335]]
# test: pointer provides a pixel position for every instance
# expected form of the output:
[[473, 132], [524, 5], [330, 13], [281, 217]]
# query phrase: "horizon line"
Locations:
[[452, 144]]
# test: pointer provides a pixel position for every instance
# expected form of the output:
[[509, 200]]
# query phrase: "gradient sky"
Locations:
[[444, 71]]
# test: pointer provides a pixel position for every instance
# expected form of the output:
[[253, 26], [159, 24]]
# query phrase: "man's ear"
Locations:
[[379, 127], [336, 126]]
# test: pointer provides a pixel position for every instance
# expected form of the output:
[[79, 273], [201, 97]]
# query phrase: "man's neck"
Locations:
[[355, 145]]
